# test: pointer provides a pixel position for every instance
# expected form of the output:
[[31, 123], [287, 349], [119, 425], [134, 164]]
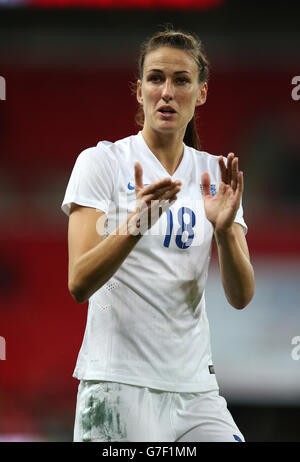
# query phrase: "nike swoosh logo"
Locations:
[[129, 186]]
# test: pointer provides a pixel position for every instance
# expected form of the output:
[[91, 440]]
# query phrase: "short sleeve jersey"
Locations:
[[147, 325]]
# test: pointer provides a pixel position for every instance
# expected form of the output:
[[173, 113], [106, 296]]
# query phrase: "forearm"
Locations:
[[94, 268], [236, 271]]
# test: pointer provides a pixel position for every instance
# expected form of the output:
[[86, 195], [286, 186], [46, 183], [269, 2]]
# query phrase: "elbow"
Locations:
[[241, 305], [79, 298], [245, 295], [77, 293], [242, 302]]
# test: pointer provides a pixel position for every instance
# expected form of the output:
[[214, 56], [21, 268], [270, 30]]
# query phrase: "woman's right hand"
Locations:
[[151, 201]]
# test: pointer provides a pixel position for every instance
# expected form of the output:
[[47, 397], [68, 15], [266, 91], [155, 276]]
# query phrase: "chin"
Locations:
[[166, 128]]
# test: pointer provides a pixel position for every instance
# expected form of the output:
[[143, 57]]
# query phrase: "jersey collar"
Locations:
[[181, 170]]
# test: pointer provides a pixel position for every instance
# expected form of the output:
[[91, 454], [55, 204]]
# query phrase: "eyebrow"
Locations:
[[177, 72]]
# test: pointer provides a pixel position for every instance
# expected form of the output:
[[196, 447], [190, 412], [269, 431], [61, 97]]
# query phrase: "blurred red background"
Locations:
[[51, 113]]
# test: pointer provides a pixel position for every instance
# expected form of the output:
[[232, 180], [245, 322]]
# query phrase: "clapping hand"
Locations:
[[151, 200], [221, 208]]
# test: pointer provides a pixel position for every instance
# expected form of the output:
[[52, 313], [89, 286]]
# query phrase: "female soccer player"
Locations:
[[143, 213]]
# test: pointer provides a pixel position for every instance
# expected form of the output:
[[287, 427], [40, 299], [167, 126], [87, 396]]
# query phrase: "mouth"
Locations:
[[166, 112], [166, 109]]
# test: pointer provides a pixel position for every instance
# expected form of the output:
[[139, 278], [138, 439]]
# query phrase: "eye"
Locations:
[[154, 78], [182, 80]]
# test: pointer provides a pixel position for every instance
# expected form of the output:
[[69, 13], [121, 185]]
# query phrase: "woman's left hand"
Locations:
[[221, 209]]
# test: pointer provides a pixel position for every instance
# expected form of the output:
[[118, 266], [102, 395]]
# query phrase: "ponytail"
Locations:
[[191, 137]]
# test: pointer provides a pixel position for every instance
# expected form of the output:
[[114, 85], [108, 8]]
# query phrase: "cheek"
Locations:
[[189, 99], [150, 98], [186, 103]]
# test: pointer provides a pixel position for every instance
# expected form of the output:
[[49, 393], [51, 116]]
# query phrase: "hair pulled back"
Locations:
[[191, 45]]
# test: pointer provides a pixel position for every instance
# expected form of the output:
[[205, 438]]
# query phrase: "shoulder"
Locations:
[[118, 147], [203, 161], [201, 155], [105, 151], [203, 158]]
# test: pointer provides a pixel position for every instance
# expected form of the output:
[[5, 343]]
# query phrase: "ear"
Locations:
[[202, 94], [139, 95]]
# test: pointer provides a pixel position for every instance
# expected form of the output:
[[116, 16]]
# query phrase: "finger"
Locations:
[[163, 183], [222, 169], [234, 175], [162, 206], [205, 181], [167, 202], [138, 175], [240, 183], [223, 188], [167, 190], [172, 201], [230, 158], [156, 193], [166, 195], [170, 193]]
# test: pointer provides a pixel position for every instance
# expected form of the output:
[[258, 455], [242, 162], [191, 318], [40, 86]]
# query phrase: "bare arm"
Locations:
[[236, 271], [237, 274], [92, 259]]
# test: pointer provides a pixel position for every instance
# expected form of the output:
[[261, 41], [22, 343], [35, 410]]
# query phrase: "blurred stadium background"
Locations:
[[68, 67]]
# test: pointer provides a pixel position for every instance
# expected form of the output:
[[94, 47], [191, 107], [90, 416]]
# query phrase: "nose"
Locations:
[[167, 92]]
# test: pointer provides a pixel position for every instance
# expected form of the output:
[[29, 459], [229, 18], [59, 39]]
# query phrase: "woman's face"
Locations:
[[170, 83]]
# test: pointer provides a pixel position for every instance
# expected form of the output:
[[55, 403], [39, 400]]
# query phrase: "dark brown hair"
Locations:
[[191, 45]]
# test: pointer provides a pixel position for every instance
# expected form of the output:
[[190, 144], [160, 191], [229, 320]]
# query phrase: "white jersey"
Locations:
[[147, 325]]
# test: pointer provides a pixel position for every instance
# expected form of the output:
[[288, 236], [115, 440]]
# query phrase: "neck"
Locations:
[[167, 147]]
